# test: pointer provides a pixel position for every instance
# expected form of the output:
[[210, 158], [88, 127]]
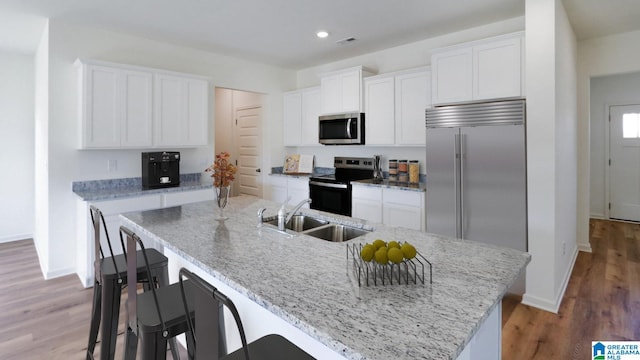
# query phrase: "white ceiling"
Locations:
[[282, 32]]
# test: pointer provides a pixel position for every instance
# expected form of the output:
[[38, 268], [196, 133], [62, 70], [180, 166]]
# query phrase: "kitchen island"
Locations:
[[309, 294]]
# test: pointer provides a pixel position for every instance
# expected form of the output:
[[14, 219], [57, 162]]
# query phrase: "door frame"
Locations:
[[607, 154]]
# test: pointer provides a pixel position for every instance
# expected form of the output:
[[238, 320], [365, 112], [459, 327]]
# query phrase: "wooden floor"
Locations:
[[50, 319], [602, 301]]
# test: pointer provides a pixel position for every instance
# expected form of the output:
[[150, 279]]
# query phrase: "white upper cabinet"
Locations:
[[310, 114], [486, 69], [497, 69], [180, 111], [341, 91], [115, 107], [301, 111], [124, 106], [292, 112], [452, 79], [395, 105], [413, 97], [380, 110]]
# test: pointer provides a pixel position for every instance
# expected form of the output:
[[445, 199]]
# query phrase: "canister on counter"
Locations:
[[402, 166], [403, 177], [393, 169], [414, 171]]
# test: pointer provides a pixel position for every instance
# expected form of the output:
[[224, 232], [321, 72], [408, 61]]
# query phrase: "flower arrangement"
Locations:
[[221, 170]]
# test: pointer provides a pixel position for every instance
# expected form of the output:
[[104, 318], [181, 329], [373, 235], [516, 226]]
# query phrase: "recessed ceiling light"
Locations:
[[322, 34]]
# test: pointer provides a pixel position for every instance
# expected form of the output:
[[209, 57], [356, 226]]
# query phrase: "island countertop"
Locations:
[[306, 281]]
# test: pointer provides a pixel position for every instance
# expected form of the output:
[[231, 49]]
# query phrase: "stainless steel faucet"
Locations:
[[260, 215], [283, 217]]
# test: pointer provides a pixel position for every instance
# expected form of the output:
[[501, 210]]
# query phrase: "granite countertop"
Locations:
[[420, 187], [110, 189], [303, 279]]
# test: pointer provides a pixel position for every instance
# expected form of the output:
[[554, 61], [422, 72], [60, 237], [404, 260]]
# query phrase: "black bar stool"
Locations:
[[155, 316], [110, 275], [206, 314]]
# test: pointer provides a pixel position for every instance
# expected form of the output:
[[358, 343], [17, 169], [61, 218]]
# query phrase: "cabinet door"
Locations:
[[452, 80], [292, 109], [367, 209], [351, 84], [330, 94], [298, 190], [100, 114], [402, 215], [195, 122], [341, 92], [497, 69], [310, 113], [136, 99], [380, 111], [367, 203], [181, 111], [403, 208], [170, 108], [186, 197], [276, 189], [413, 97]]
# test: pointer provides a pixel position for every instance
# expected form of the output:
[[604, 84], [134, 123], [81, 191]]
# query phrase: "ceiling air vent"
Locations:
[[346, 41]]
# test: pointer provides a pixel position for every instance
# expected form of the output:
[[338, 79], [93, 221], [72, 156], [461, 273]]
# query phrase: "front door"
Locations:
[[624, 166], [248, 150]]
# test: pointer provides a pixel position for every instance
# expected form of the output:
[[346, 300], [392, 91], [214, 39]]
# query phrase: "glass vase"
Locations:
[[222, 198]]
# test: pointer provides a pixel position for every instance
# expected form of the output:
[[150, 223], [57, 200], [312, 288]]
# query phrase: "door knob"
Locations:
[[258, 170]]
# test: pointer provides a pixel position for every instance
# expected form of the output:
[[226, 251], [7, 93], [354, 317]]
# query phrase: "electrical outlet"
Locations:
[[112, 165]]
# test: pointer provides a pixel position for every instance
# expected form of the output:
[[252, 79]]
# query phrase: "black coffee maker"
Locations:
[[160, 169]]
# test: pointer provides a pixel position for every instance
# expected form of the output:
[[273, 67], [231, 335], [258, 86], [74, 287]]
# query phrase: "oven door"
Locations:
[[330, 197]]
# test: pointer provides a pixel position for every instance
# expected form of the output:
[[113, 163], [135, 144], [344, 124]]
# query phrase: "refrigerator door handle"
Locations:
[[457, 184], [463, 154]]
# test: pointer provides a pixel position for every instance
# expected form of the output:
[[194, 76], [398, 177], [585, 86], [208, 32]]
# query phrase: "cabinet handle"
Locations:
[[258, 170]]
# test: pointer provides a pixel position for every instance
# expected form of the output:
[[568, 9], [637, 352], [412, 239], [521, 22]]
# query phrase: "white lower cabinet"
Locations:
[[366, 203], [111, 210], [389, 206], [281, 187]]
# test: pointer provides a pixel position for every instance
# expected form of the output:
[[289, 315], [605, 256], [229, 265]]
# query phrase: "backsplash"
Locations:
[[94, 185]]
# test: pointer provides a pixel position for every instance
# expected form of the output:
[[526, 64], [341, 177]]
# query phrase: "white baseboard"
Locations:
[[585, 247], [16, 237], [552, 305], [597, 216], [58, 273]]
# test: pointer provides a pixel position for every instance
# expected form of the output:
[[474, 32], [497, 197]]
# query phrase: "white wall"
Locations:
[[605, 91], [411, 55], [67, 164], [566, 151], [41, 193], [551, 151], [17, 146], [541, 168]]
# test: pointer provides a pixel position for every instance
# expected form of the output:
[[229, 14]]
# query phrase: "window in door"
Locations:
[[631, 126]]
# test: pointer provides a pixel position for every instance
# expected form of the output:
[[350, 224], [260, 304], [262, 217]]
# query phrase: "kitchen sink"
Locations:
[[300, 223], [336, 232]]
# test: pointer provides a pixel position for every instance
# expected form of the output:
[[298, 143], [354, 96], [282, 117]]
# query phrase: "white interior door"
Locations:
[[248, 150], [624, 166]]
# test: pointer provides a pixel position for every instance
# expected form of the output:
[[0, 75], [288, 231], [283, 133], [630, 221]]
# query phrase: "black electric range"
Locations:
[[332, 192]]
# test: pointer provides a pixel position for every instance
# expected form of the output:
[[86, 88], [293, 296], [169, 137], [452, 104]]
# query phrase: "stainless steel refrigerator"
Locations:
[[476, 173]]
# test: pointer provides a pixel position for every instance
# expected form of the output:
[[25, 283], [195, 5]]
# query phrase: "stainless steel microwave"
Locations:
[[341, 129]]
